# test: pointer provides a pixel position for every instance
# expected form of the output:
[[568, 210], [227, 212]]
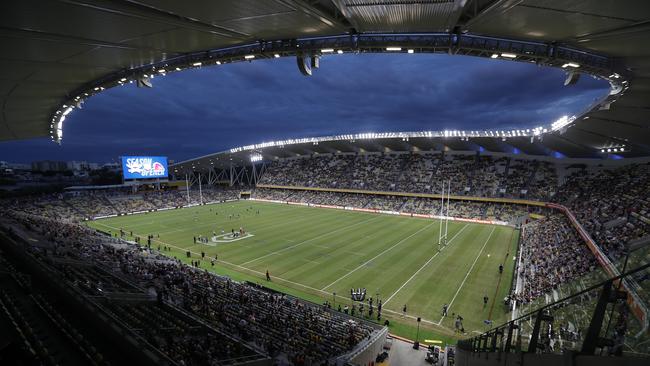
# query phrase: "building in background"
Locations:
[[49, 166]]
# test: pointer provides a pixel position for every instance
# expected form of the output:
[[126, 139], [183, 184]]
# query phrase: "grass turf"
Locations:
[[313, 253]]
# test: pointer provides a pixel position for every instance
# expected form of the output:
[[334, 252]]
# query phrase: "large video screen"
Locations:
[[144, 167]]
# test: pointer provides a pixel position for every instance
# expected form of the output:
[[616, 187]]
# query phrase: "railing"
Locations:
[[595, 321], [638, 307]]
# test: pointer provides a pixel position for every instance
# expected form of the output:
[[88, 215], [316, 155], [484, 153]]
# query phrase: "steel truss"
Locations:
[[232, 176]]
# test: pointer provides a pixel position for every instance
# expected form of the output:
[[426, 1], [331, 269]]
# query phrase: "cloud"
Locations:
[[201, 111]]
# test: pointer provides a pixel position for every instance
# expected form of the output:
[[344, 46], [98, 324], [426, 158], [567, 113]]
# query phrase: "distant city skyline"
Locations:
[[215, 108]]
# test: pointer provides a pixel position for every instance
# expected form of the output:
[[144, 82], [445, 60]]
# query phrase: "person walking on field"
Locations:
[[268, 276]]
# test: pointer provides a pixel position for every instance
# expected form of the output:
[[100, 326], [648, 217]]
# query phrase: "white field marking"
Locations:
[[378, 255], [308, 240], [214, 242], [218, 238], [468, 272], [424, 265], [262, 274]]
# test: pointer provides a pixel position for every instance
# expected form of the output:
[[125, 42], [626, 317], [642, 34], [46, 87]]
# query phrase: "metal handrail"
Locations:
[[593, 287], [480, 343]]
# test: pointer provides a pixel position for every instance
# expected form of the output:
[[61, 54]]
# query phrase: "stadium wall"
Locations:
[[366, 352]]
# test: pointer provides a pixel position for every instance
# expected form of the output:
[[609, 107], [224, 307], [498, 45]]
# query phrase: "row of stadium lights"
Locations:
[[465, 135], [258, 157], [613, 149], [56, 126]]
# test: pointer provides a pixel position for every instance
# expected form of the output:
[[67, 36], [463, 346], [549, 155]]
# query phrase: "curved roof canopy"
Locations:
[[57, 53]]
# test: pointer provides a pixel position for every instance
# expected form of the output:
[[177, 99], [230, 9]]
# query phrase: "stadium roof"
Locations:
[[57, 53]]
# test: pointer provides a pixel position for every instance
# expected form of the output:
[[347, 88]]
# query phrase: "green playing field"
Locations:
[[316, 252]]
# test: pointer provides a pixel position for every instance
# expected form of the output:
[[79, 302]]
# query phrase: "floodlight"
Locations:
[[509, 55], [276, 55], [249, 57], [327, 50], [410, 51], [570, 64], [494, 55], [196, 64], [339, 52], [393, 48]]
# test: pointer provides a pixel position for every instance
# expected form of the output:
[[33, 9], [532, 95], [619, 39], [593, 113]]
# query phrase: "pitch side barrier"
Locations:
[[634, 301]]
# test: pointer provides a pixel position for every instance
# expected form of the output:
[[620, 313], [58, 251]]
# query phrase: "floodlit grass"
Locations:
[[313, 253]]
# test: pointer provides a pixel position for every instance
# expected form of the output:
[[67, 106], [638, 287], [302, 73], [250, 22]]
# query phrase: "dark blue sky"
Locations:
[[214, 108]]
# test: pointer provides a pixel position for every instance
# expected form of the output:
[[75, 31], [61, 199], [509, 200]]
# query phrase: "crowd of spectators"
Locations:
[[287, 329], [552, 254], [425, 172], [78, 205], [404, 204], [613, 205]]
